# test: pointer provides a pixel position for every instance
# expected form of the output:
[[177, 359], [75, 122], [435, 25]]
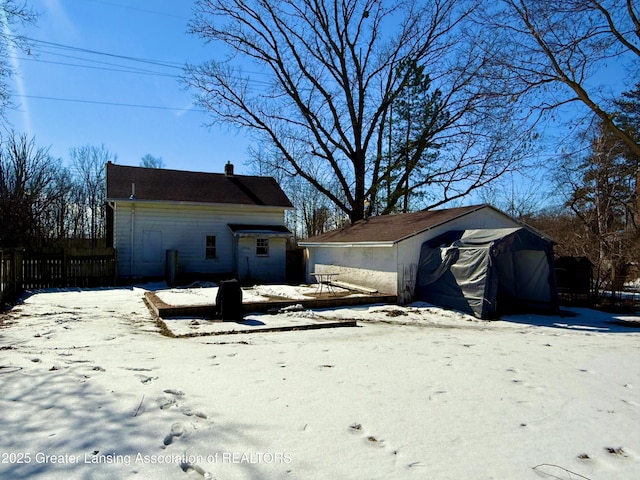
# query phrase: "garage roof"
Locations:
[[390, 229]]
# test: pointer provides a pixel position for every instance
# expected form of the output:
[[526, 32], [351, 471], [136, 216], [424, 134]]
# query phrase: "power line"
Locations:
[[75, 57], [115, 104], [166, 64], [161, 63], [46, 47], [120, 70]]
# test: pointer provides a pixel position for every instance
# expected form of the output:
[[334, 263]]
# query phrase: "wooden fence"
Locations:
[[21, 270], [8, 276]]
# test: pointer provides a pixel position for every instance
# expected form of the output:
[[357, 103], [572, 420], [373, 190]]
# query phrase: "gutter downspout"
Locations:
[[112, 206], [132, 225]]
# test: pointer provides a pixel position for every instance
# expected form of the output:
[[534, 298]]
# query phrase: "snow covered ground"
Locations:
[[90, 389]]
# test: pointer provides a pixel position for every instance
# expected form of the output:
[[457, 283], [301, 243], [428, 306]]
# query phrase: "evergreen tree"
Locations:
[[418, 115]]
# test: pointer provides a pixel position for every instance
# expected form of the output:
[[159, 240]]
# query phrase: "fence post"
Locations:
[[114, 267], [65, 268], [18, 272], [3, 281]]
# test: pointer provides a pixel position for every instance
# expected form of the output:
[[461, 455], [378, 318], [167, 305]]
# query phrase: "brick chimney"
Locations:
[[228, 169]]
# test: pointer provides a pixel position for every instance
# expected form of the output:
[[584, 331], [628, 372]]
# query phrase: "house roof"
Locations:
[[391, 229], [158, 184]]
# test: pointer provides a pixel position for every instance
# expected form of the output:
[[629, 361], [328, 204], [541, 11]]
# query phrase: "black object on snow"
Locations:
[[229, 301]]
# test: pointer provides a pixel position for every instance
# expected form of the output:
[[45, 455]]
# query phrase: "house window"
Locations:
[[210, 248], [262, 247]]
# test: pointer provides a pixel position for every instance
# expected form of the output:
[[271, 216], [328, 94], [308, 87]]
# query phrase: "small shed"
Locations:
[[383, 253], [575, 277], [488, 272]]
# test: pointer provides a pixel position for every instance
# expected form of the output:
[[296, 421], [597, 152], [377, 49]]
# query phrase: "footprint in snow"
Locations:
[[168, 402], [165, 402], [195, 471], [192, 413], [146, 380], [356, 428], [43, 334], [172, 391], [619, 451], [436, 394], [177, 429]]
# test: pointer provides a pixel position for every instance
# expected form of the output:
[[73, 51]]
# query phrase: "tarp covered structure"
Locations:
[[488, 272]]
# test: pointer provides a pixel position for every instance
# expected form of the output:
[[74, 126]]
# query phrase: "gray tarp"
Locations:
[[488, 272]]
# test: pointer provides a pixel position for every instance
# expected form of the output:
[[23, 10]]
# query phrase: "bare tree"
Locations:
[[325, 76], [88, 164], [149, 161], [28, 187], [600, 189], [517, 195], [313, 213], [12, 13], [553, 50], [59, 219]]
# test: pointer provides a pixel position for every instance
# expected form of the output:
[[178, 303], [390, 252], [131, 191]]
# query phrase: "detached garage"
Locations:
[[384, 253]]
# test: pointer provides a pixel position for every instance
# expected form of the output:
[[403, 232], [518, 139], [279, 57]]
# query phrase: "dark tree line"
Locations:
[[42, 202], [600, 215]]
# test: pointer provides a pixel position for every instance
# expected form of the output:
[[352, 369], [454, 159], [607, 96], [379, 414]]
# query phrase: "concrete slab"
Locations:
[[182, 321], [190, 327], [163, 310]]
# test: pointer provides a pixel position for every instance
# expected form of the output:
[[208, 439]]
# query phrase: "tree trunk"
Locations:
[[358, 206]]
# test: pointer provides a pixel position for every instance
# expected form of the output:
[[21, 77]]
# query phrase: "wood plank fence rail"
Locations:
[[22, 270]]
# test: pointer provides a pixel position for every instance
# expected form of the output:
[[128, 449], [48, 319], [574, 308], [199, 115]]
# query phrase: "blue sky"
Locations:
[[57, 85], [74, 88]]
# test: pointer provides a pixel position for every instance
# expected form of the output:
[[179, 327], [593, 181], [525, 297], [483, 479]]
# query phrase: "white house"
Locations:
[[219, 224], [383, 252]]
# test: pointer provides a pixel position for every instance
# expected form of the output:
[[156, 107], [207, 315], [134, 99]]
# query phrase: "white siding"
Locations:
[[183, 228], [270, 268], [373, 267]]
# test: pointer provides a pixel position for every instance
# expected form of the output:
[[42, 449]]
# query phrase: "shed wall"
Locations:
[[373, 267]]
